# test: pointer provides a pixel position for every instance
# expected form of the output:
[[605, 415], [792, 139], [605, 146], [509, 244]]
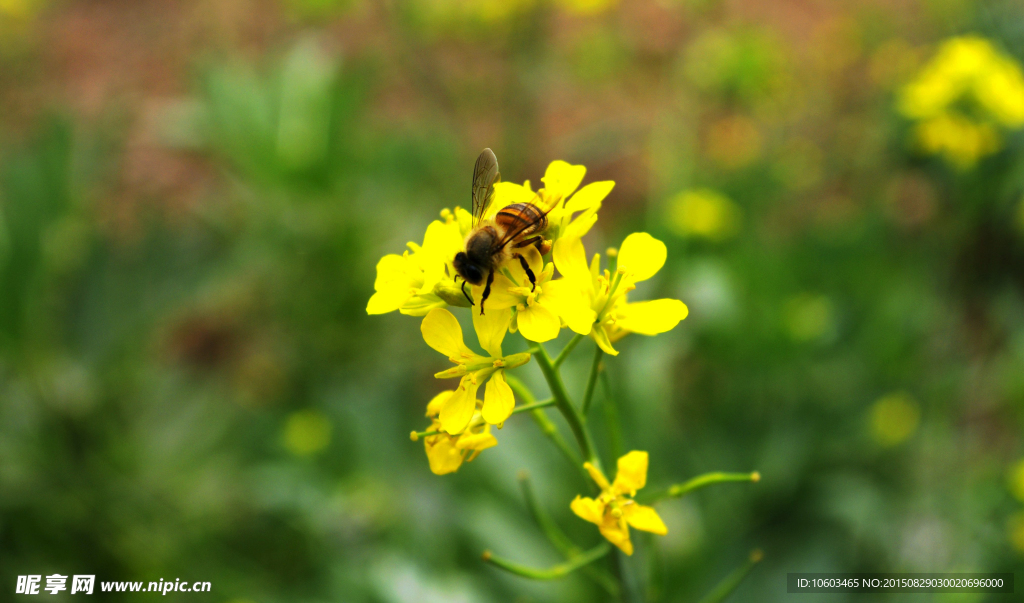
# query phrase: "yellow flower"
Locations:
[[422, 278], [640, 257], [960, 98], [894, 418], [442, 332], [961, 141], [704, 213], [615, 510], [446, 452], [540, 310], [307, 432], [560, 182]]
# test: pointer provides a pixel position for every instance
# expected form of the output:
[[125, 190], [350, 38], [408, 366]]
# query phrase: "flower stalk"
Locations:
[[680, 490], [730, 582], [595, 370], [564, 405], [553, 572], [558, 538]]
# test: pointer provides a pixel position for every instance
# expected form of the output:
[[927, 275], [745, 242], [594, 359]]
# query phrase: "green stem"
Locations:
[[568, 349], [611, 418], [595, 369], [729, 584], [553, 572], [572, 416], [559, 539], [679, 490], [546, 426], [534, 406]]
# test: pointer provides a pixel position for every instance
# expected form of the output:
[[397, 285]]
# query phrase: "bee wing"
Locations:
[[485, 174]]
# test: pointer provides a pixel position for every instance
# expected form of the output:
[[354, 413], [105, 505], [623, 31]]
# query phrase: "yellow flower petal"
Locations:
[[644, 518], [457, 411], [588, 509], [491, 328], [566, 300], [388, 299], [420, 305], [632, 473], [597, 476], [442, 332], [435, 404], [580, 225], [442, 455], [499, 299], [651, 317], [562, 178], [590, 196], [600, 336], [498, 400], [617, 533], [443, 240], [571, 260], [390, 268], [476, 441], [641, 256], [538, 323]]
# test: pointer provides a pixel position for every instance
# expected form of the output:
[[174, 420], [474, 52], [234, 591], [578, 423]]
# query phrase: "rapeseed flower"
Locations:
[[614, 510], [539, 310], [446, 452], [442, 332], [423, 278], [962, 99], [640, 257]]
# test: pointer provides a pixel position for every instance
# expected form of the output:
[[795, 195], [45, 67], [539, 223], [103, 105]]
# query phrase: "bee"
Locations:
[[491, 243]]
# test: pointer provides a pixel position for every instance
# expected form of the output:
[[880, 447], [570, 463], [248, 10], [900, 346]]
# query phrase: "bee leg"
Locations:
[[543, 245], [529, 273], [487, 291], [468, 298]]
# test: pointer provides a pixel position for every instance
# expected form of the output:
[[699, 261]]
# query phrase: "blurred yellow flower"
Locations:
[[540, 310], [422, 278], [894, 418], [962, 97], [446, 452], [18, 9], [640, 257], [703, 213], [960, 140], [1016, 480], [307, 432], [1015, 531], [615, 511], [587, 7], [442, 332]]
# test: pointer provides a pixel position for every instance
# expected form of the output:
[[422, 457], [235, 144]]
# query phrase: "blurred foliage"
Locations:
[[194, 196]]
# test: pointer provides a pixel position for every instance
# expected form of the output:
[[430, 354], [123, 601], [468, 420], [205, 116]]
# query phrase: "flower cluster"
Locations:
[[963, 100], [546, 288]]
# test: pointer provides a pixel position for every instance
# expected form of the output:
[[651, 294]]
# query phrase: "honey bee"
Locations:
[[491, 243]]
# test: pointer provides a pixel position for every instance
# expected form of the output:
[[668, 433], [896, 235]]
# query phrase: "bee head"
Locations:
[[467, 269]]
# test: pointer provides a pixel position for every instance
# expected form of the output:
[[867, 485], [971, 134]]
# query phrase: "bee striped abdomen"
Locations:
[[522, 218]]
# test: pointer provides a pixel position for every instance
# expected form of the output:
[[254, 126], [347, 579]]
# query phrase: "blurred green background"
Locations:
[[194, 195]]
